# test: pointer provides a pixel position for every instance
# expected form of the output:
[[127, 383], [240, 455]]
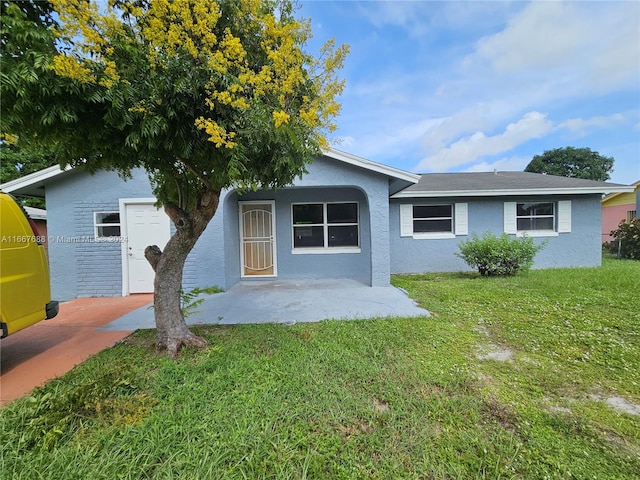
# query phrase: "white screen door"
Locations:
[[257, 227], [146, 225]]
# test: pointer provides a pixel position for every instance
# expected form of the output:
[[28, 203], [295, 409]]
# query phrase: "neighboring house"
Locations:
[[346, 218], [39, 217], [619, 206]]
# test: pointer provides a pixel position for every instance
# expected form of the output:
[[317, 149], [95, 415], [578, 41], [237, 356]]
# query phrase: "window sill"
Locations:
[[324, 250], [537, 233], [433, 236]]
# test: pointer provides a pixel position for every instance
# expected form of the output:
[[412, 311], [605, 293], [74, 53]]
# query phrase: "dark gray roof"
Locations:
[[506, 183]]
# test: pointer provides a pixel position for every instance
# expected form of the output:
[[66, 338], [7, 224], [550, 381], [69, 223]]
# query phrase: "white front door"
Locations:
[[146, 225], [257, 227]]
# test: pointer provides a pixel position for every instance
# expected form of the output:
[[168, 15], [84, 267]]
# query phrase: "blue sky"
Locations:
[[456, 86]]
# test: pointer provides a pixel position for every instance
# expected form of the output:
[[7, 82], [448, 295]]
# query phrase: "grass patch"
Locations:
[[387, 398]]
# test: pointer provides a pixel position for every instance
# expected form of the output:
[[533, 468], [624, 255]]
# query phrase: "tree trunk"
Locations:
[[171, 328]]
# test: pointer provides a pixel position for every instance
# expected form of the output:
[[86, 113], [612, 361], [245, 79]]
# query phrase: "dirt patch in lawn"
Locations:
[[620, 404], [495, 352]]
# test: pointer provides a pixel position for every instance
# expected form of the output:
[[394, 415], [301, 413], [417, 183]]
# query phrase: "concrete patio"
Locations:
[[288, 302]]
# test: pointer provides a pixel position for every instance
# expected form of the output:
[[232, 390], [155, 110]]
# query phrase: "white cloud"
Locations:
[[401, 14], [428, 80], [618, 64], [581, 125], [550, 57], [466, 150], [420, 18], [543, 35], [478, 117], [592, 45], [387, 142], [533, 125]]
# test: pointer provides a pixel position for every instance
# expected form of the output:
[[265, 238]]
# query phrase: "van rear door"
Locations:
[[24, 272]]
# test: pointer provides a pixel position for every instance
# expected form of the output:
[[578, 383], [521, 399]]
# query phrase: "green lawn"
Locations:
[[510, 378]]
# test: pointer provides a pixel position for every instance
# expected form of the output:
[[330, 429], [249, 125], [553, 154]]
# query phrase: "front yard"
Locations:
[[536, 376]]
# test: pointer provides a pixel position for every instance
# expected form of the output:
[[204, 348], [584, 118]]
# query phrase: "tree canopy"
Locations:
[[16, 163], [572, 162], [202, 94], [25, 42]]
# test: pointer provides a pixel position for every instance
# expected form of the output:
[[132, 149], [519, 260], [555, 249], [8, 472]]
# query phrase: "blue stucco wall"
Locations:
[[207, 263], [298, 266], [79, 266], [218, 250], [580, 248], [375, 188]]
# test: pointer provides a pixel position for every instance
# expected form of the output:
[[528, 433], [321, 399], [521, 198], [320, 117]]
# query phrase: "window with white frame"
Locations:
[[537, 218], [631, 214], [325, 226], [106, 224], [433, 220]]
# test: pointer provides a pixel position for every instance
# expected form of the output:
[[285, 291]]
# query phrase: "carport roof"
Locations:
[[33, 184]]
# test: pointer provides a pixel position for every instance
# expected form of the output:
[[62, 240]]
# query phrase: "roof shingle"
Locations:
[[495, 183]]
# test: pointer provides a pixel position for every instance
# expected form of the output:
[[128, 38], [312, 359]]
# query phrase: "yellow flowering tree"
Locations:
[[204, 95]]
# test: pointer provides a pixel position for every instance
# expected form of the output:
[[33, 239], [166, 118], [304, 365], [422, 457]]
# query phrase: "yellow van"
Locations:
[[25, 293]]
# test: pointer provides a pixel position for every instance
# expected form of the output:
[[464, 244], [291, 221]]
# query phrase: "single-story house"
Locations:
[[619, 206], [348, 217]]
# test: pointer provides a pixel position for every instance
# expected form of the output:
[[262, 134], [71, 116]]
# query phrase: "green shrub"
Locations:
[[498, 256], [628, 236]]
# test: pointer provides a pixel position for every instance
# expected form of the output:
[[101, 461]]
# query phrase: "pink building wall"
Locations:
[[611, 218]]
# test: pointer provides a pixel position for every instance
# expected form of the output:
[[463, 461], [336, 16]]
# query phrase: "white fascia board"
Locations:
[[512, 192], [373, 166], [33, 178]]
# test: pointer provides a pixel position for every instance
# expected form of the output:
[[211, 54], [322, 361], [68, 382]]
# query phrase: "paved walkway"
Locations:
[[86, 326]]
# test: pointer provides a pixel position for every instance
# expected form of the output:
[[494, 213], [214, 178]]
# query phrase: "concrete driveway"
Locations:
[[86, 326], [51, 348]]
